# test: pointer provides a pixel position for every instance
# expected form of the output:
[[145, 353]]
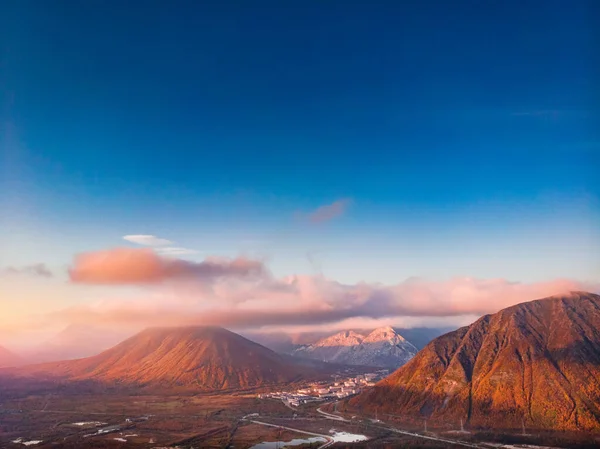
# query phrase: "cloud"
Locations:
[[329, 211], [160, 244], [242, 294], [147, 240], [126, 266], [38, 269]]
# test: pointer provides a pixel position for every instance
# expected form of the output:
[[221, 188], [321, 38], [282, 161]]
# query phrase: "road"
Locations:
[[404, 432], [329, 442], [428, 437], [330, 416]]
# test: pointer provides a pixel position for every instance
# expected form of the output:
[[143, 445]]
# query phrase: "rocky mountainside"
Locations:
[[9, 358], [383, 347], [206, 358], [536, 362]]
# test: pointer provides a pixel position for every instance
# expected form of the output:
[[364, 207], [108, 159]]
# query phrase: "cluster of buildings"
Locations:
[[337, 389]]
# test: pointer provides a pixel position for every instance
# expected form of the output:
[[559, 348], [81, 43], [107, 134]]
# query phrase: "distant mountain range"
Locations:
[[205, 358], [536, 363], [76, 341], [9, 358], [287, 343], [383, 347]]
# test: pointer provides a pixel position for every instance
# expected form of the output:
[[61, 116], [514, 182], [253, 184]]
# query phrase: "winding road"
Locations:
[[428, 437], [330, 416]]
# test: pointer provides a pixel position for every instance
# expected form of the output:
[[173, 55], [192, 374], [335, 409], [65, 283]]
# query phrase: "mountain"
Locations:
[[9, 359], [207, 358], [383, 347], [287, 343], [76, 341], [536, 362]]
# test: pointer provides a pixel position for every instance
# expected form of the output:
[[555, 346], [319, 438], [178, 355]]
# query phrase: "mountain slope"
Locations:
[[538, 362], [207, 358], [9, 359], [383, 347]]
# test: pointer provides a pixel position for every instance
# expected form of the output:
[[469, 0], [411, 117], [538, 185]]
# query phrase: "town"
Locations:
[[324, 391]]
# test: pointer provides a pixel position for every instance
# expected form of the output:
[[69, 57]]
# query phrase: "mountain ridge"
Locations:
[[382, 347], [537, 362]]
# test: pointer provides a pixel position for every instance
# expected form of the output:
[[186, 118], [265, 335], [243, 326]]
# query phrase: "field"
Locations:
[[75, 419], [148, 420]]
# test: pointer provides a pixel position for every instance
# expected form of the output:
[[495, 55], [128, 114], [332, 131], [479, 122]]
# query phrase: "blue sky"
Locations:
[[464, 134]]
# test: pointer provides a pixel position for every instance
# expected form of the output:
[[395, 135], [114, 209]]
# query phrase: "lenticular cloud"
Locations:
[[126, 266]]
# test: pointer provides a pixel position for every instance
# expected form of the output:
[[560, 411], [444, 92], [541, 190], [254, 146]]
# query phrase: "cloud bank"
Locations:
[[242, 293]]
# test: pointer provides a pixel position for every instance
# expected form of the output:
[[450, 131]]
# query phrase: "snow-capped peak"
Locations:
[[344, 338], [386, 333], [382, 347]]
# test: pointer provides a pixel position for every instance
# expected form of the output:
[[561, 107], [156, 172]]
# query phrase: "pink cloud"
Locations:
[[329, 211], [314, 301], [144, 266], [241, 293]]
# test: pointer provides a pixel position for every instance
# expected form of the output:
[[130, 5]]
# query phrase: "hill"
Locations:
[[538, 362], [9, 359], [383, 347], [207, 358]]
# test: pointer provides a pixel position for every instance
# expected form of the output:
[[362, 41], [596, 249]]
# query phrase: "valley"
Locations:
[[300, 224], [207, 387], [234, 420]]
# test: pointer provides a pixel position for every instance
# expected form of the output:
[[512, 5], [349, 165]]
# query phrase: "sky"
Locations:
[[363, 162]]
